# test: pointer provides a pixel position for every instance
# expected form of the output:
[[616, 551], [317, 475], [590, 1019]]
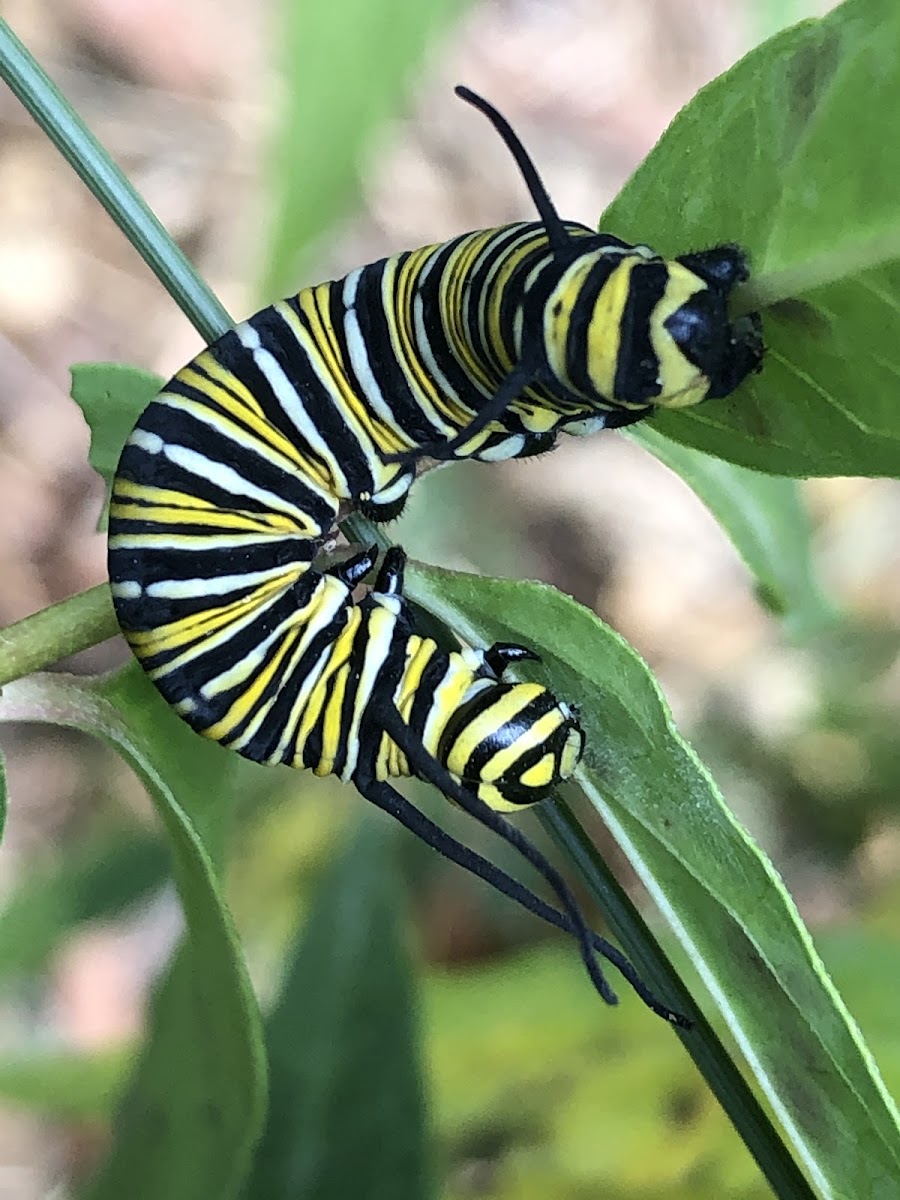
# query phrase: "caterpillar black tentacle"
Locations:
[[429, 769], [390, 800], [486, 347], [557, 233]]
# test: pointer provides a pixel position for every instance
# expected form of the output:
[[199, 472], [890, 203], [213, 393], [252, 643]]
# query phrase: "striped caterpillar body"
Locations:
[[487, 347]]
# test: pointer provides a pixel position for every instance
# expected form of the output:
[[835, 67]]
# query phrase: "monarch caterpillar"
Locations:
[[484, 347]]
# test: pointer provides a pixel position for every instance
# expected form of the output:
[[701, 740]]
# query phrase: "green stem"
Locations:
[[83, 152], [702, 1043], [65, 628]]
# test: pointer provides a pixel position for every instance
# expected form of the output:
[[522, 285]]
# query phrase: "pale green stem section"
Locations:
[[56, 632]]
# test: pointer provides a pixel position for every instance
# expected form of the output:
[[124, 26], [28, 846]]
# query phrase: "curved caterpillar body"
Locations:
[[485, 347]]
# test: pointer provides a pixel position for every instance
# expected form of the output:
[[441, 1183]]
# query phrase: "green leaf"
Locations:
[[345, 67], [766, 519], [195, 1105], [719, 892], [866, 963], [793, 155], [94, 880], [112, 396], [346, 1111]]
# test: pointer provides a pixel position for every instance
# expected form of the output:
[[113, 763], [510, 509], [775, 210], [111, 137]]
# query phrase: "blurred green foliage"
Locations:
[[523, 1100]]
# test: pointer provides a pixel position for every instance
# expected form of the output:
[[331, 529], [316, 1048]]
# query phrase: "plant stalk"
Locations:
[[65, 628], [702, 1043]]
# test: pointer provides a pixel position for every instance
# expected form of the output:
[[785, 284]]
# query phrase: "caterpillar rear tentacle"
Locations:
[[485, 347], [390, 800], [571, 920]]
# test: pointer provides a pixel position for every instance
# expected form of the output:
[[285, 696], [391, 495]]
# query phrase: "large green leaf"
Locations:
[[345, 67], [346, 1111], [195, 1105], [722, 897], [793, 154]]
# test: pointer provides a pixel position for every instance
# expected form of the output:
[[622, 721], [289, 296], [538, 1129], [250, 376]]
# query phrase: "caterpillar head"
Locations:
[[703, 354], [622, 325]]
